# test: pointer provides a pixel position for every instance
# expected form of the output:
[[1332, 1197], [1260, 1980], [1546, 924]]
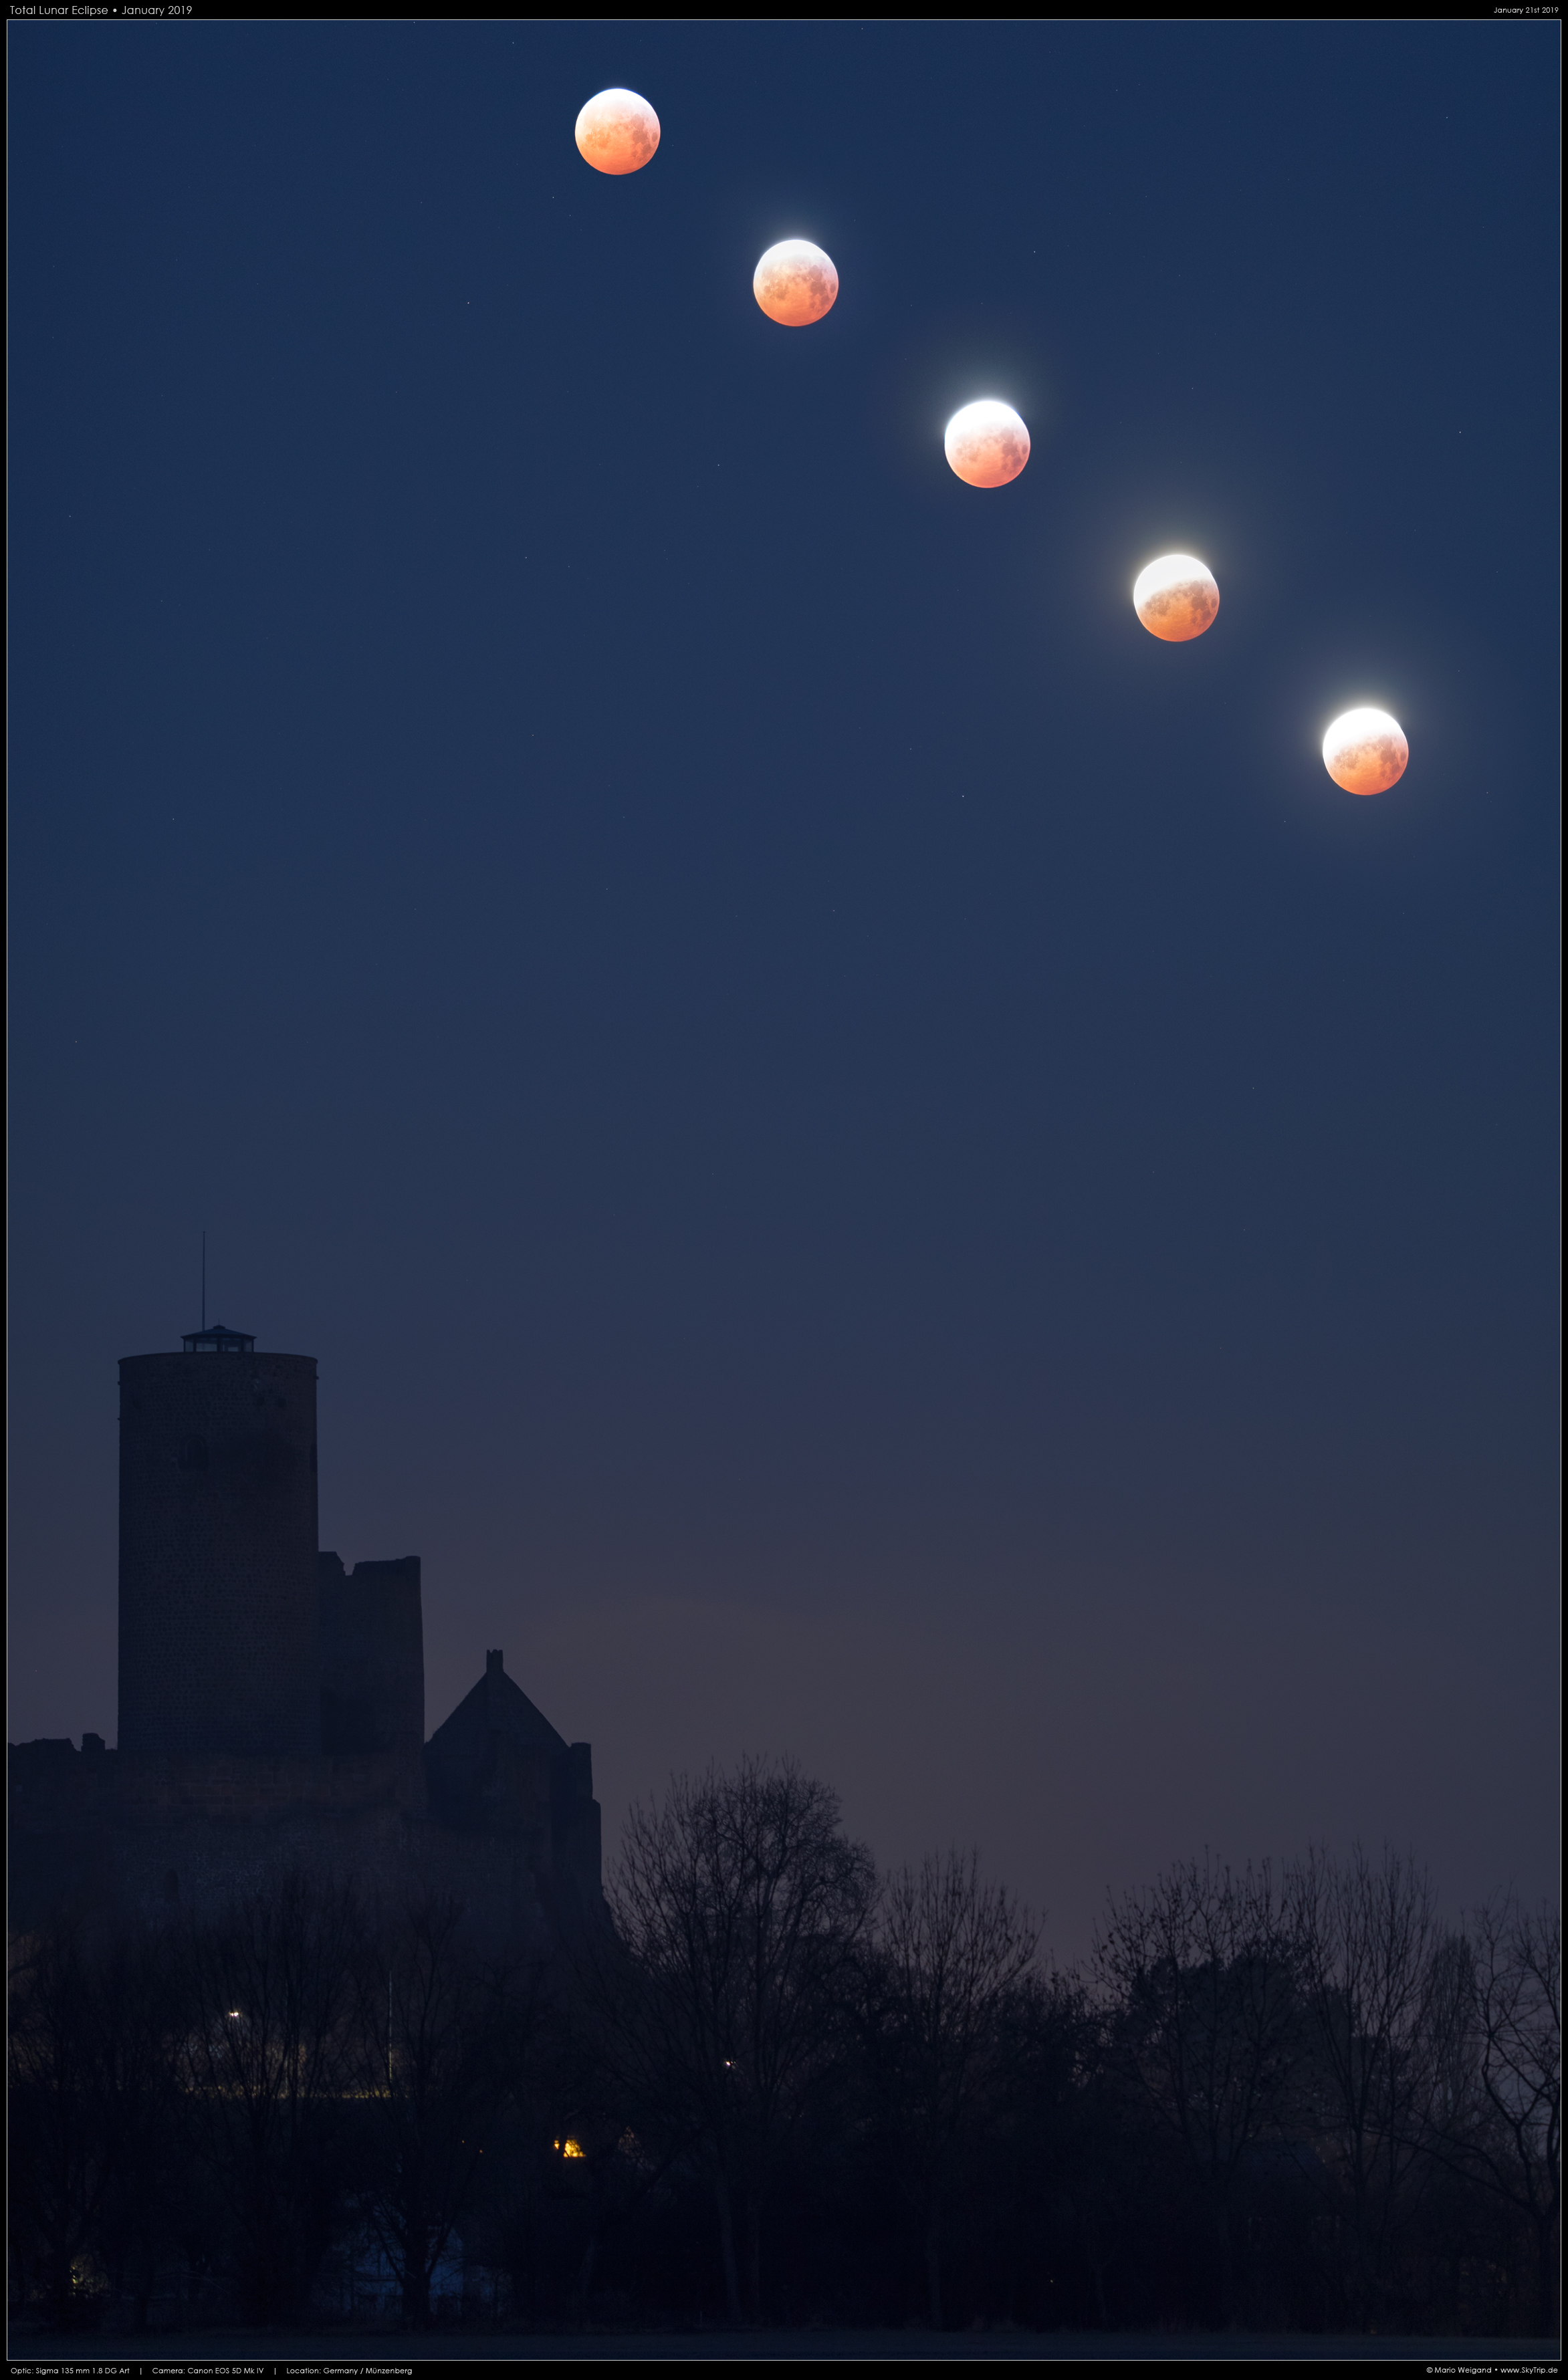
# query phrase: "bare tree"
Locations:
[[1102, 2139], [1199, 1976], [739, 1904], [440, 2030], [90, 2101], [267, 2068], [1500, 2117], [93, 2021], [59, 2155], [1366, 1938], [949, 1950]]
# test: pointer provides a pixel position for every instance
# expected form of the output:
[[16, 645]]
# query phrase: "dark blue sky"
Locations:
[[878, 1164]]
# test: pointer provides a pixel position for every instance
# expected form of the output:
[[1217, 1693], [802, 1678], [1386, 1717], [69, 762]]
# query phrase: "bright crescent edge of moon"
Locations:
[[1365, 750], [987, 445]]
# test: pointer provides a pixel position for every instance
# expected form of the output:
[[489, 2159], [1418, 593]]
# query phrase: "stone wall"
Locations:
[[164, 1836], [372, 1655]]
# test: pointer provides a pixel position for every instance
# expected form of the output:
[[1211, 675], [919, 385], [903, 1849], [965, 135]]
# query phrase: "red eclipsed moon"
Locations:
[[986, 443], [617, 132], [1366, 752], [795, 284], [1176, 597]]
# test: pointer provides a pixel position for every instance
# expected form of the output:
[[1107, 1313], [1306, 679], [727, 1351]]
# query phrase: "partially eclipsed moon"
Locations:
[[617, 132], [1366, 752], [986, 443], [1176, 597], [795, 282]]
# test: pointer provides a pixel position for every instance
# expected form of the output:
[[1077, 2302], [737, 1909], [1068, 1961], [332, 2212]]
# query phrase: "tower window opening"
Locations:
[[194, 1453]]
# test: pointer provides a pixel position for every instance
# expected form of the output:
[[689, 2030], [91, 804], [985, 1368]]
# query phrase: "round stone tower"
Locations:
[[219, 1647]]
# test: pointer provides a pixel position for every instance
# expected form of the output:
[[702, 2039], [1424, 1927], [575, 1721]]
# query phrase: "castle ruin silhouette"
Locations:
[[272, 1703]]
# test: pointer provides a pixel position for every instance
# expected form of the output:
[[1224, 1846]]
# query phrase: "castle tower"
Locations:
[[218, 1629]]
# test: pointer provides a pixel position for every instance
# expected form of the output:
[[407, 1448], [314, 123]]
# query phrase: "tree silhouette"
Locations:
[[949, 1951], [740, 1904], [1203, 1974]]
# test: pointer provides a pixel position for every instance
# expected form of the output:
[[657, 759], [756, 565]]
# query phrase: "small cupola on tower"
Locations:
[[218, 1339]]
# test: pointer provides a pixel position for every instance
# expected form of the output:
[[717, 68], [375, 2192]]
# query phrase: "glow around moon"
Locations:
[[1366, 752], [617, 132], [795, 284], [986, 443], [1176, 597]]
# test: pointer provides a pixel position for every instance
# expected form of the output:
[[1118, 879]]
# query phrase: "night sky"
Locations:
[[878, 1164]]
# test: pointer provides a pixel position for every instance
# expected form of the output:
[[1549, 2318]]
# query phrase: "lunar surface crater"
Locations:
[[1176, 597], [986, 444], [795, 282], [617, 132], [1364, 751]]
